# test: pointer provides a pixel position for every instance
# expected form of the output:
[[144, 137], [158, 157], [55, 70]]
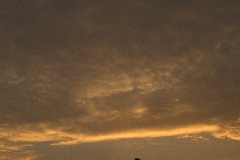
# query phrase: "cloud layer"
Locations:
[[75, 71]]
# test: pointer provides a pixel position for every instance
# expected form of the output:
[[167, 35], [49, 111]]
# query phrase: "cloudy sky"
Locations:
[[119, 79]]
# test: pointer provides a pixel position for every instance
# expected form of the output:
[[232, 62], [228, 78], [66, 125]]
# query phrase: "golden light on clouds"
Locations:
[[59, 137], [143, 134]]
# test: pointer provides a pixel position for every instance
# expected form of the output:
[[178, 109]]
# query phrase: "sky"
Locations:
[[119, 79]]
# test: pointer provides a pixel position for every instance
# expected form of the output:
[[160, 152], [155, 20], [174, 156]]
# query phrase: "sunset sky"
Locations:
[[119, 79]]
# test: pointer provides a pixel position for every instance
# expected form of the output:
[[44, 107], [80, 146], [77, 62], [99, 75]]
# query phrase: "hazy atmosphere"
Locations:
[[119, 79]]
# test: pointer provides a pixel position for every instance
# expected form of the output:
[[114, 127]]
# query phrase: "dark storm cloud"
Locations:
[[71, 68]]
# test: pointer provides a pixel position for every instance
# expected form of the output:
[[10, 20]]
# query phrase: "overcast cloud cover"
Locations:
[[79, 71]]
